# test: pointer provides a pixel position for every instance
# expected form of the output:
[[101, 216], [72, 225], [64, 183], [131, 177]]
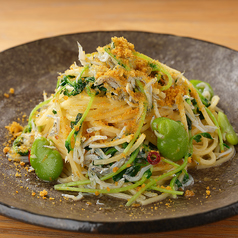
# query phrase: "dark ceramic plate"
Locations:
[[33, 67]]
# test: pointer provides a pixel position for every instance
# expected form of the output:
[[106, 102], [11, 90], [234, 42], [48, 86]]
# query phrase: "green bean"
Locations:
[[227, 128], [113, 190], [218, 128], [153, 181]]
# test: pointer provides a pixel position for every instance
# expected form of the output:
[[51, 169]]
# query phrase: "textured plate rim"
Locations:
[[132, 227], [117, 31]]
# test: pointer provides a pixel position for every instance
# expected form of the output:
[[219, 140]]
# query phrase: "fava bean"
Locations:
[[46, 161], [172, 138]]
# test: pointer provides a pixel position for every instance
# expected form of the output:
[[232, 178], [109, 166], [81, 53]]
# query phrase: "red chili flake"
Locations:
[[153, 157], [29, 155]]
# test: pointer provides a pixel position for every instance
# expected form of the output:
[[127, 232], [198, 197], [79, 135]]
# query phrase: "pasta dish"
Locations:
[[125, 125]]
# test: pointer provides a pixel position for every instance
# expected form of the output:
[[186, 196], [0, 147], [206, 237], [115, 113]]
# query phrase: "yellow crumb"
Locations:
[[11, 91], [6, 95], [17, 175], [168, 188], [115, 169], [6, 149], [208, 192], [33, 193], [43, 193], [15, 129], [189, 193], [76, 128], [138, 188]]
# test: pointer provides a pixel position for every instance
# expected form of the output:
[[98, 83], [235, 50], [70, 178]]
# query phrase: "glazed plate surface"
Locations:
[[33, 67]]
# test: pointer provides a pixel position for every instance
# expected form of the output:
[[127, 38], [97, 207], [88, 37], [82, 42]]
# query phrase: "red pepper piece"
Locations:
[[153, 157]]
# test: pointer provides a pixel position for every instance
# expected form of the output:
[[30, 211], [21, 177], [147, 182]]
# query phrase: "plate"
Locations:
[[33, 67]]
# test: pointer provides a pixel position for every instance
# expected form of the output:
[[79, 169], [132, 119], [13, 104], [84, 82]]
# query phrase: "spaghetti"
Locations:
[[104, 120]]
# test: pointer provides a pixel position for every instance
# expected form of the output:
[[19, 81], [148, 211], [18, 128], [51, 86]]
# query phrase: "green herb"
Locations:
[[200, 89], [227, 146], [129, 162], [63, 81], [185, 178], [198, 137], [154, 181], [153, 66], [109, 151], [27, 129], [79, 123], [178, 183], [74, 123], [189, 123], [19, 148], [156, 66], [184, 181], [80, 85], [196, 109], [54, 111], [148, 173], [99, 89], [117, 60], [131, 171], [188, 101]]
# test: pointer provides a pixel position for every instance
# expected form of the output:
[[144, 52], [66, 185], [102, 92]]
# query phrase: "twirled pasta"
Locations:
[[119, 92]]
